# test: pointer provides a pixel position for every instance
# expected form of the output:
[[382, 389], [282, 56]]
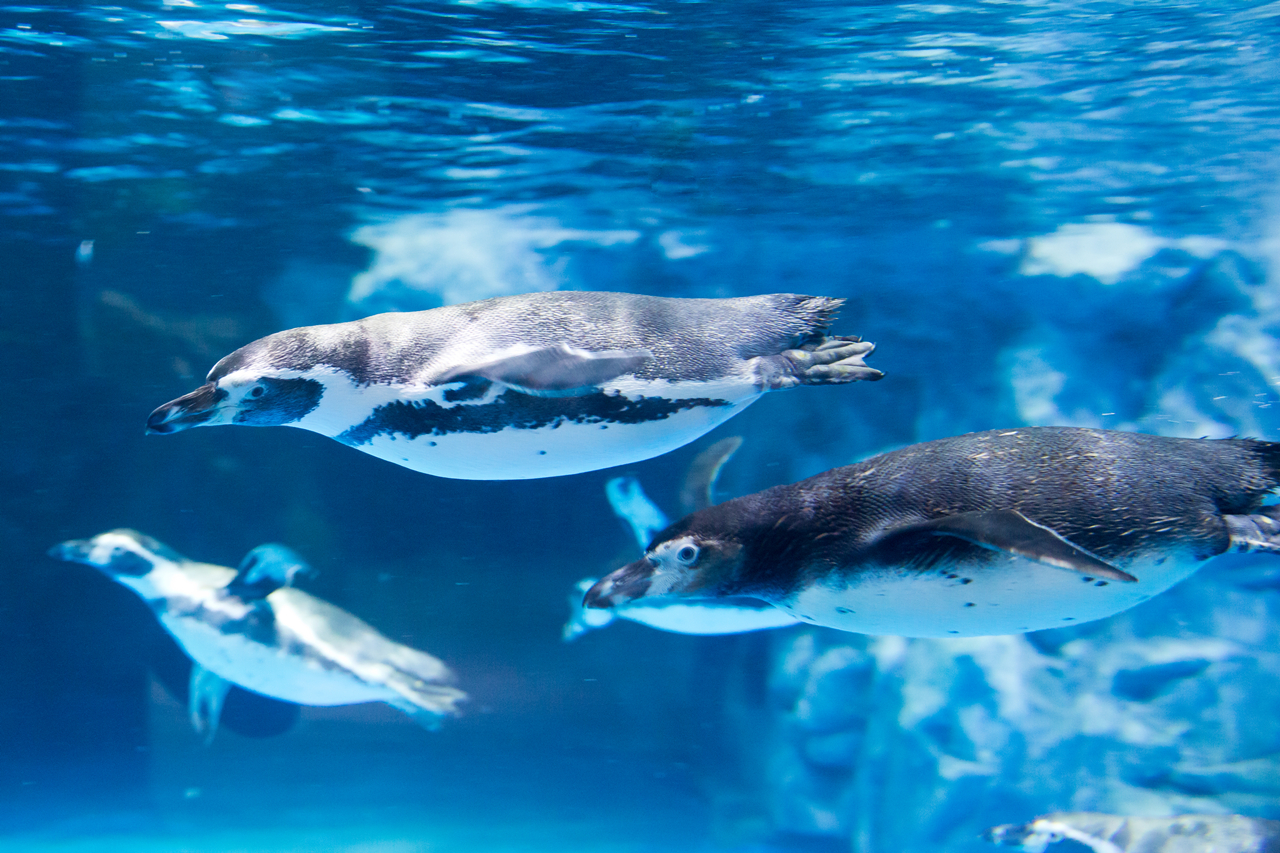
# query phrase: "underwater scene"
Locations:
[[769, 427]]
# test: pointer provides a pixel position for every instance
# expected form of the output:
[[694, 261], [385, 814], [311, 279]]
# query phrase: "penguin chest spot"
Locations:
[[1002, 594], [271, 670], [513, 435]]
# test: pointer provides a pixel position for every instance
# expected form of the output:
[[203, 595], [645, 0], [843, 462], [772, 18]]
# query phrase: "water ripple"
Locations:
[[222, 30], [1051, 111]]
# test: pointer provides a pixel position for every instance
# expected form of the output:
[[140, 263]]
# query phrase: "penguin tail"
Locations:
[[819, 312], [808, 317], [1268, 455]]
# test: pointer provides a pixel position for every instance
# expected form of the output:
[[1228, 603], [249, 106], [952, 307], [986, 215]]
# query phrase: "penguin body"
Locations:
[[536, 385], [989, 533], [269, 638]]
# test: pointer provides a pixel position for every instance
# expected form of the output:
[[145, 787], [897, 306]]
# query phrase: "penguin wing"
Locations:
[[554, 371], [698, 490], [1012, 532]]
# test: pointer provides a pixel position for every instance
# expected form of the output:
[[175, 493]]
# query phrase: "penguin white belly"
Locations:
[[471, 439], [693, 618], [551, 451], [1005, 595], [269, 670]]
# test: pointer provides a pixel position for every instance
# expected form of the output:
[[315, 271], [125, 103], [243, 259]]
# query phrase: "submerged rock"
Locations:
[[909, 745], [1106, 833]]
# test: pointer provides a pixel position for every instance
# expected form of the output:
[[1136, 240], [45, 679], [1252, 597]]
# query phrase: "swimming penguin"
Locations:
[[995, 532], [535, 385], [269, 637], [678, 615], [1107, 833]]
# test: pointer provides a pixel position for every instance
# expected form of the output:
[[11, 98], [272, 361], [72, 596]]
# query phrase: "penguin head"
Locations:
[[681, 563], [256, 386], [119, 554]]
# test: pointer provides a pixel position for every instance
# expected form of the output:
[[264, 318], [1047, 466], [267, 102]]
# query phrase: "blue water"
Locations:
[[1042, 213]]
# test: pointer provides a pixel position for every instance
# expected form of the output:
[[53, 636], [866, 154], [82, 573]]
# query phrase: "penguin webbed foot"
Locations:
[[1257, 532], [206, 693], [630, 503], [830, 361], [428, 704]]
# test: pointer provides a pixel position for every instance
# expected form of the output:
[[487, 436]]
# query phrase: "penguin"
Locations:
[[248, 628], [680, 616], [997, 532], [527, 386], [1108, 833]]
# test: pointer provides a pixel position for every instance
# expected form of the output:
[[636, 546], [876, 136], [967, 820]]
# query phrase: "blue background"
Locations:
[[1053, 212]]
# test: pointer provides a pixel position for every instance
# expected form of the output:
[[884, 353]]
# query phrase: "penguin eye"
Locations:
[[257, 391], [687, 554]]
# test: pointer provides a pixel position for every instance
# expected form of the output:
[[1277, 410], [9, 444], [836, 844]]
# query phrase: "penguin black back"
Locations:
[[1110, 492], [687, 336], [1116, 494], [989, 533]]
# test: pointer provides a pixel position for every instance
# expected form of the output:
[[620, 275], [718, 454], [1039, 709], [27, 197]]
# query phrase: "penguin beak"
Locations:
[[74, 550], [189, 410], [626, 584], [80, 551]]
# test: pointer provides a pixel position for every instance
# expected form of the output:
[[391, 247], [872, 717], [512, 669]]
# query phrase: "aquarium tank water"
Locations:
[[1043, 213]]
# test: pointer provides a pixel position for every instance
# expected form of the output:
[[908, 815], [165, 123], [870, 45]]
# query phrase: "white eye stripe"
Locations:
[[679, 552]]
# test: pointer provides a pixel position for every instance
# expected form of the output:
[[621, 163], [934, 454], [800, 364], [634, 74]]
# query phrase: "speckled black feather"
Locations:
[[1116, 494], [688, 337], [518, 411]]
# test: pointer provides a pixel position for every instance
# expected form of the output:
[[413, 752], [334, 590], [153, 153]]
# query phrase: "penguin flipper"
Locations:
[[1014, 533], [205, 694], [697, 491], [554, 371]]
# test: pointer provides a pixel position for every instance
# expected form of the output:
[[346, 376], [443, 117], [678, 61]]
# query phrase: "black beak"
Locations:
[[1008, 833], [626, 584], [75, 550], [187, 411]]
